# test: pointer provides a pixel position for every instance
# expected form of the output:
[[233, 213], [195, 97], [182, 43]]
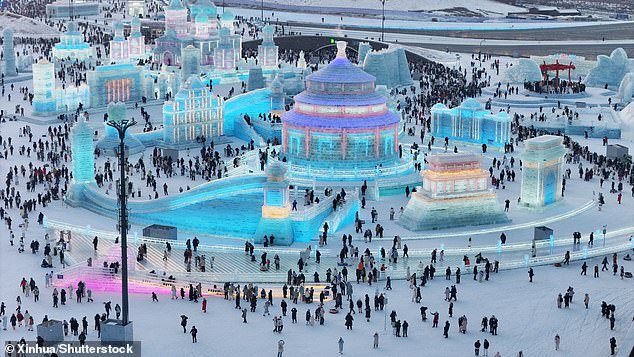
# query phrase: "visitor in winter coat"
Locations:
[[557, 341], [340, 342], [375, 340], [280, 348]]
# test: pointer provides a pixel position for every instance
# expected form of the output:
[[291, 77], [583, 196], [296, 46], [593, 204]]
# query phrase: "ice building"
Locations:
[[202, 32], [190, 62], [256, 79], [542, 171], [227, 54], [524, 70], [610, 70], [276, 209], [389, 66], [135, 8], [268, 50], [72, 45], [121, 82], [10, 69], [109, 143], [194, 113], [470, 122], [49, 99], [340, 121], [454, 194], [127, 49]]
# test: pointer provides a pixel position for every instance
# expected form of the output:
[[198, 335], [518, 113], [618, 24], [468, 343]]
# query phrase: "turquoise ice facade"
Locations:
[[389, 66], [276, 209], [72, 45], [469, 122], [542, 171]]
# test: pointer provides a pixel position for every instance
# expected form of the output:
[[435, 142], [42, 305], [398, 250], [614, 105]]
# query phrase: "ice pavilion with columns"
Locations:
[[340, 121], [127, 49], [542, 171], [470, 122], [72, 45]]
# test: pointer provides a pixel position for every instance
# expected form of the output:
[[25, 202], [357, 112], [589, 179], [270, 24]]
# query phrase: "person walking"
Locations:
[[476, 347], [184, 323], [375, 340], [280, 348], [485, 346], [194, 332], [531, 274], [612, 345], [557, 341], [586, 300], [340, 342]]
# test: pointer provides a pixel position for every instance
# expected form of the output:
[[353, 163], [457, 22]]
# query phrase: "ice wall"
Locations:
[[626, 87], [364, 48], [389, 66], [524, 70], [256, 79], [610, 70], [9, 53]]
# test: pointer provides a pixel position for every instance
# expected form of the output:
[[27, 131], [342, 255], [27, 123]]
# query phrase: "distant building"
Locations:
[[60, 8], [72, 45]]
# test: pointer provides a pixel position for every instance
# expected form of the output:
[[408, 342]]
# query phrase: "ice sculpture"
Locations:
[[277, 96], [301, 62], [109, 143], [471, 123], [626, 88], [10, 69], [524, 70], [193, 115], [227, 19], [176, 18], [610, 70], [364, 48], [268, 50], [43, 85], [276, 209], [542, 171], [72, 46], [256, 79], [454, 194], [121, 82], [225, 55], [83, 154], [340, 121], [190, 59], [389, 66], [119, 45]]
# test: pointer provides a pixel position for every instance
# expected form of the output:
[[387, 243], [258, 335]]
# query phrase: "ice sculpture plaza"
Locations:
[[366, 177]]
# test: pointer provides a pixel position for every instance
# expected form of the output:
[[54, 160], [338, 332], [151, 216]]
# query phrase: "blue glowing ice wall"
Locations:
[[542, 171], [389, 66], [471, 123], [277, 95], [276, 208], [256, 79], [10, 69]]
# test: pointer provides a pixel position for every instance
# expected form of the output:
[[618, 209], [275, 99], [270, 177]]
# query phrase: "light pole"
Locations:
[[383, 20], [121, 127], [262, 11]]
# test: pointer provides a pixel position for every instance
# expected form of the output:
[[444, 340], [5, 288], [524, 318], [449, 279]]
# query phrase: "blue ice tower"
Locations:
[[44, 102], [83, 156], [268, 50], [277, 96], [109, 143], [276, 209], [10, 69]]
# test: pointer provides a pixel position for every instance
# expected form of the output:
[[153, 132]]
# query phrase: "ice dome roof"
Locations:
[[136, 22], [201, 17], [228, 15], [175, 5], [268, 29], [275, 169], [72, 27], [225, 32], [341, 70], [118, 26]]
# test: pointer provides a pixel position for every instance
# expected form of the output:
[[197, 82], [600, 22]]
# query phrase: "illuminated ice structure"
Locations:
[[256, 79], [227, 54], [190, 62], [193, 113], [278, 97], [9, 53], [72, 45], [49, 99], [469, 122], [127, 49], [276, 209], [389, 66], [268, 50], [109, 143], [454, 194], [83, 154], [121, 82], [542, 171], [202, 32], [524, 70], [340, 125]]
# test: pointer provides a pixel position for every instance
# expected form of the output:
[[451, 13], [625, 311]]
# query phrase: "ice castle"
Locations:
[[340, 121], [127, 49], [470, 122], [454, 194]]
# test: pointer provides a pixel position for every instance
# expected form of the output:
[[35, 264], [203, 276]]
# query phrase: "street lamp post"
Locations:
[[383, 20], [122, 127], [262, 11]]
